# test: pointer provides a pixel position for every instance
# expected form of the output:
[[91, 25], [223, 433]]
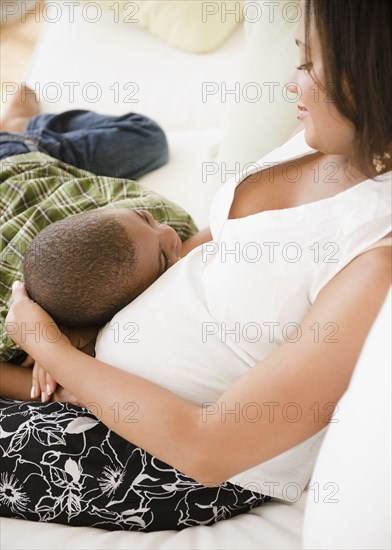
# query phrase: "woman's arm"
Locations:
[[209, 444]]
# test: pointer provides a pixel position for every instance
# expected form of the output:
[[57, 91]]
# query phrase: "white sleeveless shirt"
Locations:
[[228, 304]]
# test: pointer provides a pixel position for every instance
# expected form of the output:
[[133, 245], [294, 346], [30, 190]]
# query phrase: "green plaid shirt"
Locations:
[[36, 190]]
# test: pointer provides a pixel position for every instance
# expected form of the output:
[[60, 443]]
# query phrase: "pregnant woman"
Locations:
[[214, 388]]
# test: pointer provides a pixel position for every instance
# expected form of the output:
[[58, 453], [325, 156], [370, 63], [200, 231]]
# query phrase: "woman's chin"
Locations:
[[310, 138]]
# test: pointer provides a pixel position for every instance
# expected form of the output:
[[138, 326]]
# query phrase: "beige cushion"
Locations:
[[191, 25], [195, 26]]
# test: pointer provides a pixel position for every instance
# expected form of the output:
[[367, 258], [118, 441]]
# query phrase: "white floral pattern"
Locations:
[[60, 464], [11, 493], [111, 479]]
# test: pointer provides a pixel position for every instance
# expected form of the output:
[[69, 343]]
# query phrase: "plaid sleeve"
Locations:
[[37, 190]]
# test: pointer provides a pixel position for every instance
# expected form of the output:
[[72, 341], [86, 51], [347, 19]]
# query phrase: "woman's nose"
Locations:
[[292, 86]]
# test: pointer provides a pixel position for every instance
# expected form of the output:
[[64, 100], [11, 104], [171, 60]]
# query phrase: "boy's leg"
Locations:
[[20, 109], [126, 146]]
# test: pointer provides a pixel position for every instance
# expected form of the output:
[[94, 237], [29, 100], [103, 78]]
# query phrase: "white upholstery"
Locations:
[[349, 505], [170, 91], [263, 115], [170, 83], [117, 67], [273, 526]]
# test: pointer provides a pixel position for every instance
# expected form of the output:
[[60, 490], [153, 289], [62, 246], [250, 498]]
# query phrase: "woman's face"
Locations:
[[325, 128]]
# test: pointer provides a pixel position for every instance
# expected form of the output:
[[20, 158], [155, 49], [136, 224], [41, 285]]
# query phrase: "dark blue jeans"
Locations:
[[127, 146]]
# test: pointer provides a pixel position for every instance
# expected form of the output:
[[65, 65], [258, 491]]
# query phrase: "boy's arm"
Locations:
[[201, 237], [15, 381]]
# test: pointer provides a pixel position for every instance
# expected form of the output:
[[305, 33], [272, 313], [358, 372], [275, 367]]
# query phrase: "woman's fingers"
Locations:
[[16, 322], [35, 387], [19, 292], [42, 384], [51, 384], [27, 323]]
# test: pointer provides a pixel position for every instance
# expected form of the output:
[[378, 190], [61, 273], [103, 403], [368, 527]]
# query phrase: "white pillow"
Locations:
[[261, 114], [349, 500]]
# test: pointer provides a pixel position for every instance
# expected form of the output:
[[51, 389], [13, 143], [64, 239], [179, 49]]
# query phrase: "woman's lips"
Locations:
[[303, 112]]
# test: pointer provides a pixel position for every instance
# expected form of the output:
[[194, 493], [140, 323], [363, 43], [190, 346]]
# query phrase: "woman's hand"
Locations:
[[28, 324], [42, 383], [46, 387], [64, 396]]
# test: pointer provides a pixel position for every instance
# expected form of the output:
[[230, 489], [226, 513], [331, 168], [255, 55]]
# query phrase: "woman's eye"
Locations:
[[303, 67]]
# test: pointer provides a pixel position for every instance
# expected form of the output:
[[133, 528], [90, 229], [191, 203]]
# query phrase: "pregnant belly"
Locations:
[[167, 336]]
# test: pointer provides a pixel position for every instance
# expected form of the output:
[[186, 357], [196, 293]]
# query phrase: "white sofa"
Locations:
[[209, 137]]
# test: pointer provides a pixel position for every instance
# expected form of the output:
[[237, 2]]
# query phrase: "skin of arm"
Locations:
[[313, 373], [18, 381], [15, 381], [201, 237]]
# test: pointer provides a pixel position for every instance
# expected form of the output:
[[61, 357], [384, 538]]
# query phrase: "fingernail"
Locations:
[[33, 391], [43, 396], [16, 284], [48, 389]]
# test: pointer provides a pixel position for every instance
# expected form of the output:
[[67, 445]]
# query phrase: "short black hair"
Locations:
[[356, 40], [81, 270]]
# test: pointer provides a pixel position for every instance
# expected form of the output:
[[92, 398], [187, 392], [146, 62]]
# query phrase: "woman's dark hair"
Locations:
[[355, 38]]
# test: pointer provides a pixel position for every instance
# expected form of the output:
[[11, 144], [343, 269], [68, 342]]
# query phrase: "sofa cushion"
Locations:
[[349, 501], [194, 26], [261, 113], [129, 70], [187, 177]]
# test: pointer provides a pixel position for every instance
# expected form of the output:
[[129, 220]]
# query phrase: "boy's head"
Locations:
[[85, 268]]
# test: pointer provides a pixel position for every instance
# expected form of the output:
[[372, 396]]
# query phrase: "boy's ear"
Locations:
[[82, 338]]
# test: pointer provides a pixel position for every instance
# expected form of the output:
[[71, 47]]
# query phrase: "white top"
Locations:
[[209, 318]]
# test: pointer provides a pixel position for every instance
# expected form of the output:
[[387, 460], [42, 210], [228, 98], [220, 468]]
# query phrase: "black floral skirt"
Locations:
[[60, 464]]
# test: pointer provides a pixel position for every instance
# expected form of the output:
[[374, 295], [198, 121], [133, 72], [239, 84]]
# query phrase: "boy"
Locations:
[[38, 190], [85, 268]]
